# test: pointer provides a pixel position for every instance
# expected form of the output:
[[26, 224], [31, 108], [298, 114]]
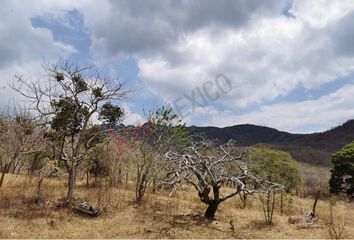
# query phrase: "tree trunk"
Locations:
[[19, 169], [2, 178], [313, 212], [119, 180], [39, 188], [140, 192], [4, 171], [243, 197], [126, 180], [87, 178], [71, 183], [211, 210], [281, 204], [272, 210], [154, 185]]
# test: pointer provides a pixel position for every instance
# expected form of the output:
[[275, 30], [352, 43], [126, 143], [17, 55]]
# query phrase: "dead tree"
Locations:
[[208, 167]]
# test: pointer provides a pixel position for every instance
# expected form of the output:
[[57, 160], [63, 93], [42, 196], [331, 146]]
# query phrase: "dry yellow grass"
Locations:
[[159, 216]]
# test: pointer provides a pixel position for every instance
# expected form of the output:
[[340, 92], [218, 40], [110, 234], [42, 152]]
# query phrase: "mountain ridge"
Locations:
[[315, 148]]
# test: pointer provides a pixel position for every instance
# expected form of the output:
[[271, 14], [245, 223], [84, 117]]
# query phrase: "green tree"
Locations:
[[67, 102], [274, 166], [111, 114], [342, 178], [97, 161], [168, 130]]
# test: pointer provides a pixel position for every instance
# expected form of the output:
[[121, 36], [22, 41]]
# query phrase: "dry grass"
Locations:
[[159, 216]]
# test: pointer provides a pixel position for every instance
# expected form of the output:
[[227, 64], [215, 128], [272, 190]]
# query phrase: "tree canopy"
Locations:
[[342, 178], [276, 166], [111, 114]]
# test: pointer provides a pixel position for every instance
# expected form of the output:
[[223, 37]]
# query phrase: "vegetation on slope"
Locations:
[[314, 148]]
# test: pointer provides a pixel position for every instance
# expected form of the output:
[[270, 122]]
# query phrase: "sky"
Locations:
[[283, 64]]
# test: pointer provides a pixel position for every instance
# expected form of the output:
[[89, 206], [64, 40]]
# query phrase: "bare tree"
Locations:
[[18, 138], [336, 223], [67, 102], [145, 160], [315, 180], [141, 145], [208, 167], [146, 145], [315, 183]]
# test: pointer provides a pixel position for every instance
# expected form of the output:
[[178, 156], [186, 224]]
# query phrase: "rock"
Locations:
[[85, 209]]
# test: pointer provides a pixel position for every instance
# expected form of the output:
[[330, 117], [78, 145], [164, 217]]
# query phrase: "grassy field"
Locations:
[[159, 216]]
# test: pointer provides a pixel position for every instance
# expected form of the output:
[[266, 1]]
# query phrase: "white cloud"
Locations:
[[131, 117], [139, 26], [23, 47], [180, 45], [320, 13], [269, 59]]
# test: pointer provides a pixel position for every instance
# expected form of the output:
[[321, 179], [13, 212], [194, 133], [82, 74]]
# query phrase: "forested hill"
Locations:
[[313, 148]]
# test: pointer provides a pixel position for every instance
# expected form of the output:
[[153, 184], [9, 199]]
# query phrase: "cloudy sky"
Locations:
[[283, 64]]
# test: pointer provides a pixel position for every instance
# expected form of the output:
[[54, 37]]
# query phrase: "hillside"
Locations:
[[314, 148]]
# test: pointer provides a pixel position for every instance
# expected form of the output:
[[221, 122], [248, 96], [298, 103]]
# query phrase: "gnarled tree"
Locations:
[[67, 102], [209, 167]]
